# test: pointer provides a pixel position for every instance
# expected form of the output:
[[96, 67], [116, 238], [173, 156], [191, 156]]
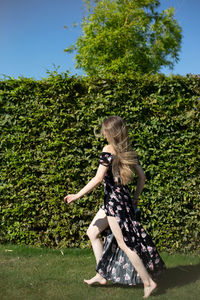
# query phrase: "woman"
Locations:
[[129, 242]]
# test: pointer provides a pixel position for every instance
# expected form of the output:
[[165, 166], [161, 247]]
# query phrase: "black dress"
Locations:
[[114, 265]]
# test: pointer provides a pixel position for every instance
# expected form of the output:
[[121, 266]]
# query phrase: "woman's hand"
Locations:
[[70, 198], [135, 201]]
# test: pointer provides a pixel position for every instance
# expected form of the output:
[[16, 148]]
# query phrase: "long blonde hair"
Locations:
[[114, 129]]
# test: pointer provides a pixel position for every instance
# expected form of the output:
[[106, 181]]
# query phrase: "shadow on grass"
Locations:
[[171, 278], [177, 277]]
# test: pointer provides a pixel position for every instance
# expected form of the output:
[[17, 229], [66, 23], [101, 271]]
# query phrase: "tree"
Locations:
[[127, 36]]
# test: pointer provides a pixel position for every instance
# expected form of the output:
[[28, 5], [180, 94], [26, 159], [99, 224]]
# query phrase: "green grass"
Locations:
[[28, 273]]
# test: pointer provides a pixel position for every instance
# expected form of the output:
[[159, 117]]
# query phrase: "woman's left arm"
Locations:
[[94, 182]]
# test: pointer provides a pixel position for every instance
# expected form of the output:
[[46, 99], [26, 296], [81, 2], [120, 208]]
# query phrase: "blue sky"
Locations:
[[33, 37]]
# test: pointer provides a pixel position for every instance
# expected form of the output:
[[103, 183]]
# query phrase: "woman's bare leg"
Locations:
[[149, 284], [99, 223]]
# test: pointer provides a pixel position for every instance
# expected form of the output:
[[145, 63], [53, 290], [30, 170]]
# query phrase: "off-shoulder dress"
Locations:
[[114, 265]]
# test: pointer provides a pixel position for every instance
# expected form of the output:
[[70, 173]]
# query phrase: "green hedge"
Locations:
[[48, 149]]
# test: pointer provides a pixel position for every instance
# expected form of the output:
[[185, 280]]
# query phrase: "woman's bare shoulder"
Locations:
[[109, 149]]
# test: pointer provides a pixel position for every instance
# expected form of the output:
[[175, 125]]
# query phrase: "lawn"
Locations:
[[28, 273]]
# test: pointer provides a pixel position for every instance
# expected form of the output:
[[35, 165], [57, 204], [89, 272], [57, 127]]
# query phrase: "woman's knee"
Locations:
[[92, 233], [121, 245]]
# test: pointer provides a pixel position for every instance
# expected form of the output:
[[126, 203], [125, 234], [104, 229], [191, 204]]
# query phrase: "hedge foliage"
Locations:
[[48, 149]]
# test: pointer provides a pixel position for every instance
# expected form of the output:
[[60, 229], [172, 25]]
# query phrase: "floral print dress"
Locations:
[[114, 265]]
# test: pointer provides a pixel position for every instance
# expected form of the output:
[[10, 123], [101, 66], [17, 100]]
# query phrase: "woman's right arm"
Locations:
[[140, 183]]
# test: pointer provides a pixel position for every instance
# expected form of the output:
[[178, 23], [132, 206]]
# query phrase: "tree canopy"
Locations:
[[127, 36]]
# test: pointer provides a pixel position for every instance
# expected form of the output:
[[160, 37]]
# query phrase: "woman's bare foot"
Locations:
[[97, 278], [149, 289]]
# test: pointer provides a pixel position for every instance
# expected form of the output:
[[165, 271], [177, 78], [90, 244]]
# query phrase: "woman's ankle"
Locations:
[[147, 282]]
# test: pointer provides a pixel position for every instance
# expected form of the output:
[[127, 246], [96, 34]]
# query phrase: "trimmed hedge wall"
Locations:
[[48, 149]]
